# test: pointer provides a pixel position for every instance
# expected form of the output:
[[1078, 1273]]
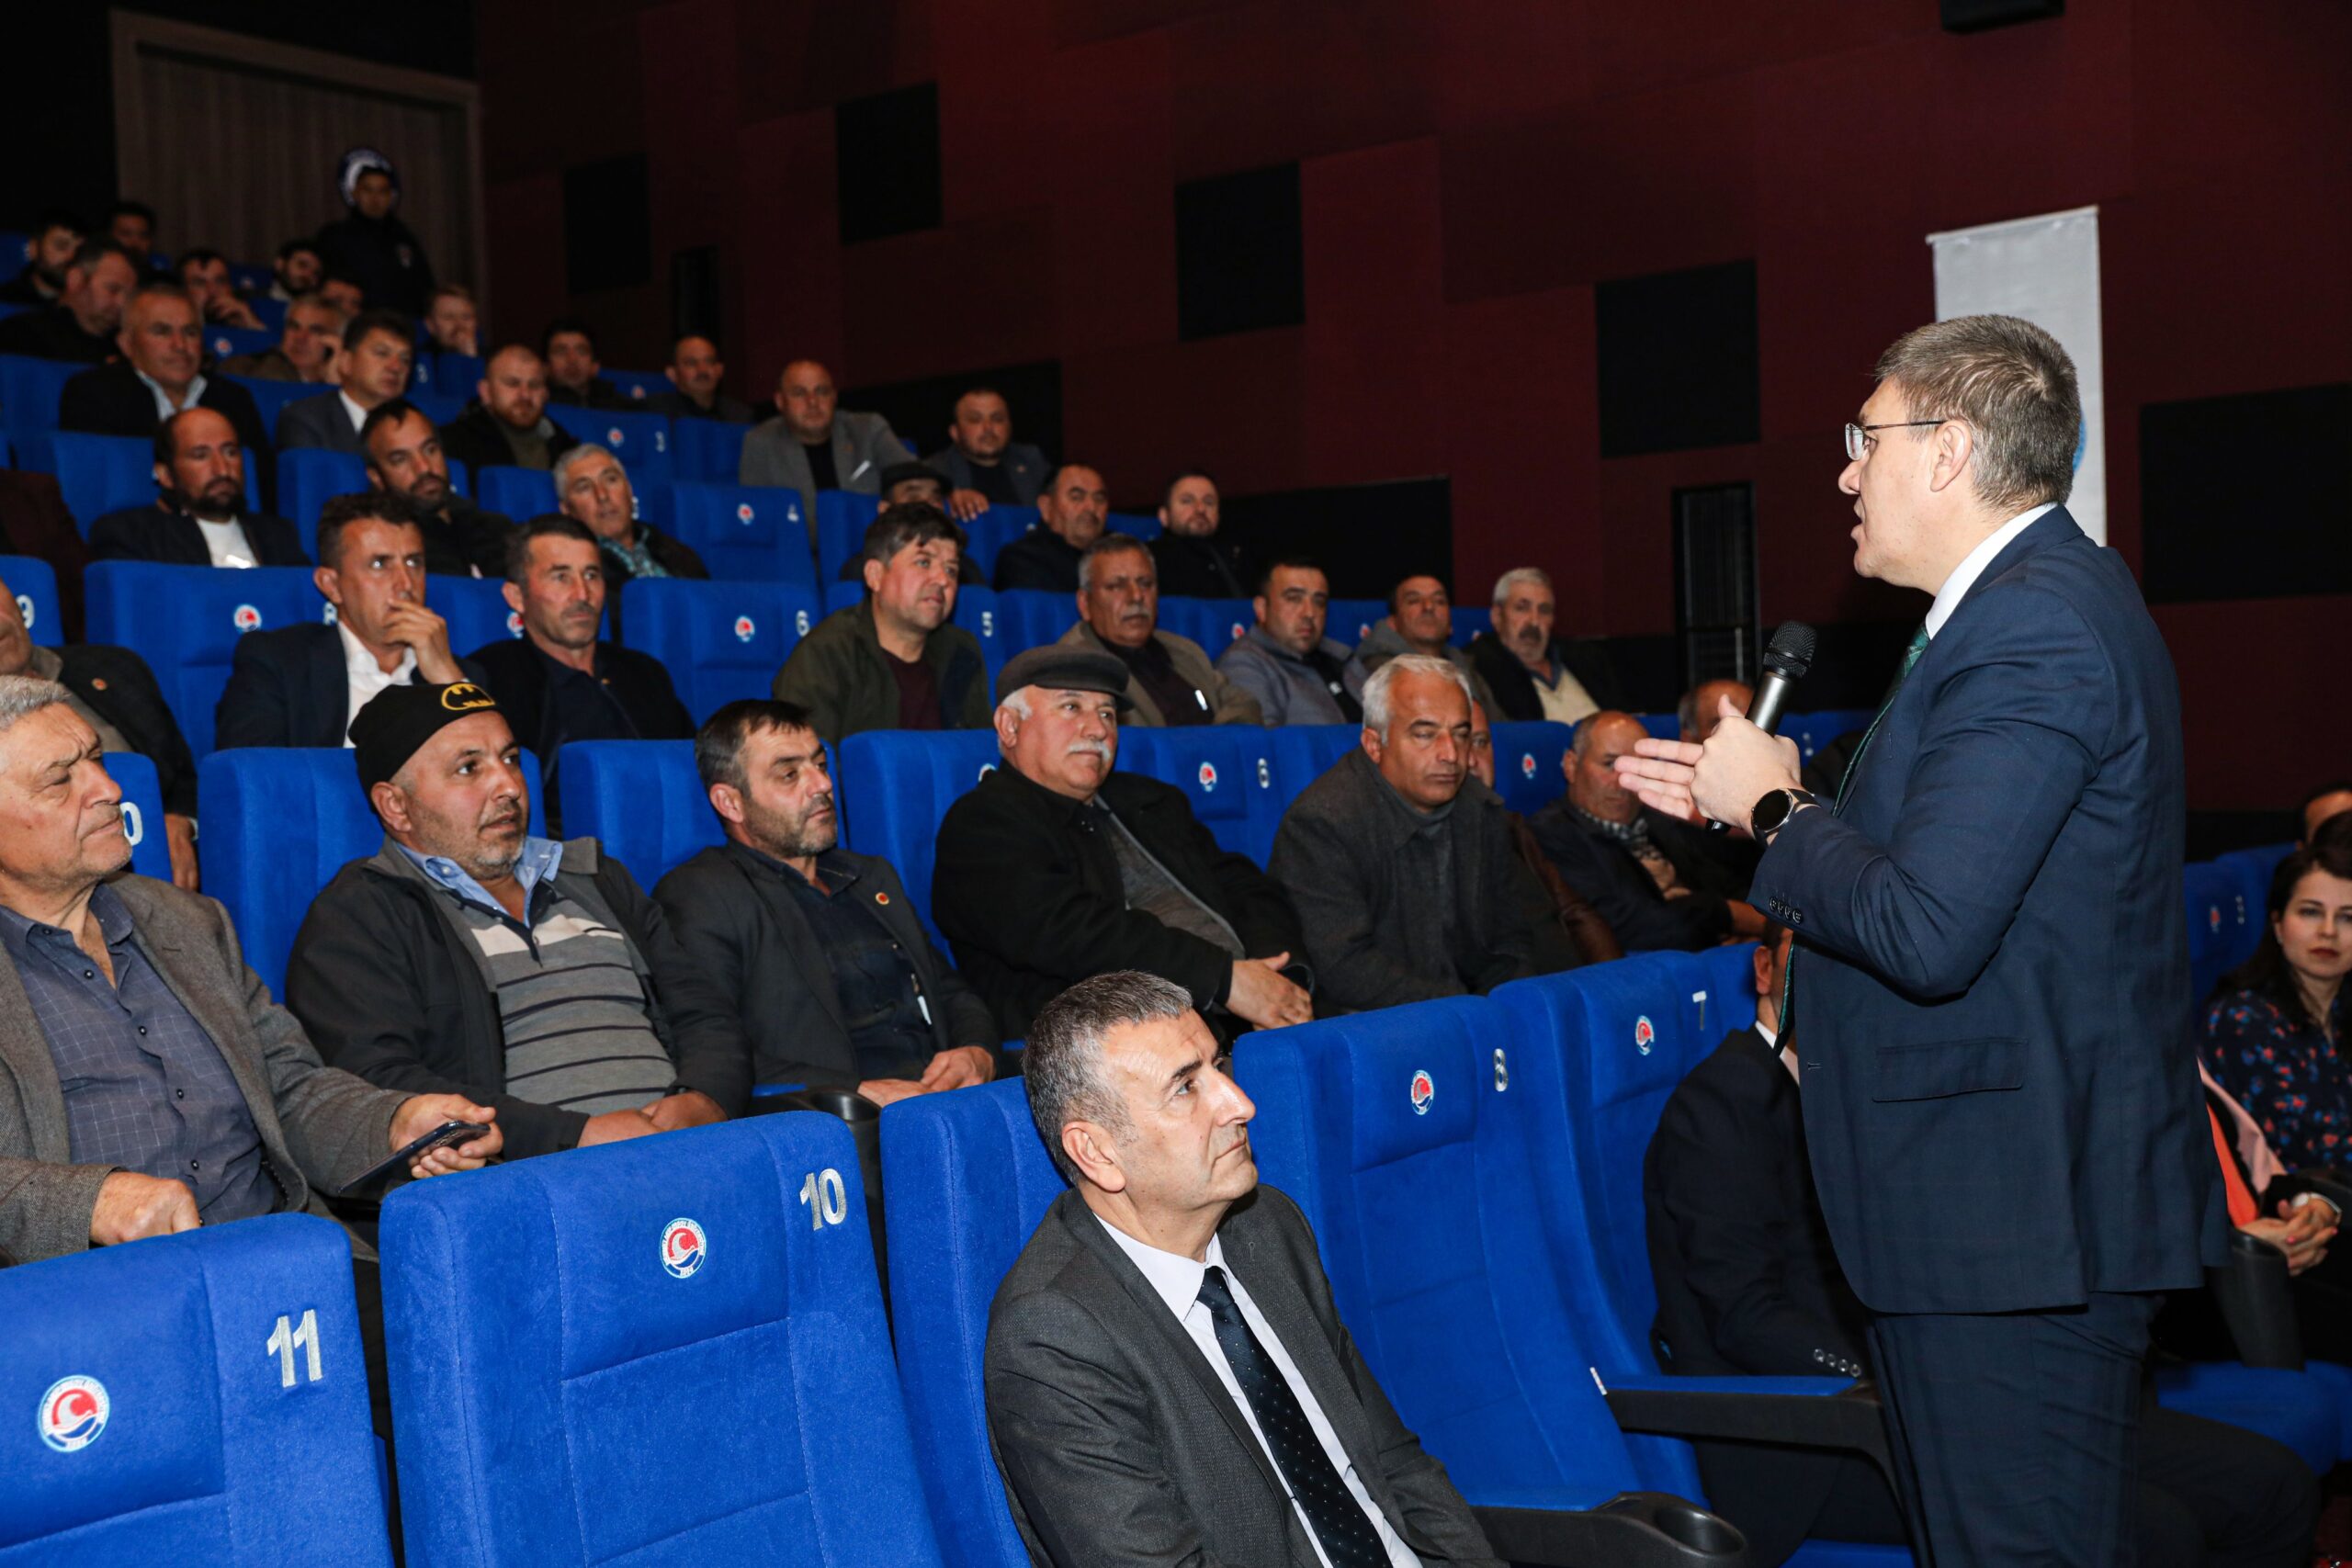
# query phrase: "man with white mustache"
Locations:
[[1056, 868], [468, 956]]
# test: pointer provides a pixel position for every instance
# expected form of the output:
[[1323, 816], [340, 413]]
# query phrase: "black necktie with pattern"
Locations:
[[1339, 1521]]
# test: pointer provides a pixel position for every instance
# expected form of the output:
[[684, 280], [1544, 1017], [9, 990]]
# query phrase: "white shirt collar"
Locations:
[[357, 414], [1771, 1035], [165, 407], [360, 668], [1174, 1278], [1972, 566]]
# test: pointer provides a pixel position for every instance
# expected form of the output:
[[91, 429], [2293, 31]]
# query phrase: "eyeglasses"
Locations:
[[1858, 439]]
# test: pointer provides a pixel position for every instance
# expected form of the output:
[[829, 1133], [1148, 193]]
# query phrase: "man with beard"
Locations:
[[204, 272], [983, 464], [1534, 675], [82, 326], [509, 424], [895, 661], [377, 348], [575, 376], [46, 256], [308, 347], [557, 682], [404, 458], [592, 488], [199, 517], [115, 694], [817, 950], [296, 272], [302, 685], [372, 246], [466, 951], [1193, 563]]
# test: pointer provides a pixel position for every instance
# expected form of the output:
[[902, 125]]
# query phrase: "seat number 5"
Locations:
[[289, 1338], [828, 1201]]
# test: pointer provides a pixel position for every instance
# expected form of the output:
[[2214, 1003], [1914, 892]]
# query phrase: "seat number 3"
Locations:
[[290, 1338], [828, 1201]]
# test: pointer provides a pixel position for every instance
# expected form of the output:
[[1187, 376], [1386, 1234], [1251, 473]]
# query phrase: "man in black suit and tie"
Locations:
[[302, 685], [161, 374], [1167, 1377], [199, 518], [2001, 1103], [1749, 1284], [377, 348]]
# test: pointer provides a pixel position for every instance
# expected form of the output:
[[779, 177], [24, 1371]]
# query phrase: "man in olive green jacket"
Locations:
[[895, 661]]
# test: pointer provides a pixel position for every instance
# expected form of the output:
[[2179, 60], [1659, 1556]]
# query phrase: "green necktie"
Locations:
[[1918, 644]]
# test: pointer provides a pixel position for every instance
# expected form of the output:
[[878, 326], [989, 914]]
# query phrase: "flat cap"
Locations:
[[1060, 669], [900, 473]]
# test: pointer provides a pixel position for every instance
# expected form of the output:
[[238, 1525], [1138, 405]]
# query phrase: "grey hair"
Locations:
[[24, 696], [1063, 1063], [1375, 691], [561, 472], [1107, 544], [2010, 383], [1517, 575]]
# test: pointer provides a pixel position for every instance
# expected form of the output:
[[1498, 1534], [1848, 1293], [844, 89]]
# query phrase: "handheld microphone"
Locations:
[[1785, 662]]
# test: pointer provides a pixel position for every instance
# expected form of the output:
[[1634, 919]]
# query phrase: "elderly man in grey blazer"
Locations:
[[1167, 1377], [151, 1086], [813, 444]]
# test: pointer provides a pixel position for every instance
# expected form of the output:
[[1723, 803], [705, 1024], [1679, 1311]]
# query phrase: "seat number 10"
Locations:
[[828, 1201]]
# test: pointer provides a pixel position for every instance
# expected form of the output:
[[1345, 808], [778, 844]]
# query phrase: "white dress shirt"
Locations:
[[164, 407], [357, 415], [366, 677], [1972, 566], [1177, 1282], [1787, 1053], [227, 543]]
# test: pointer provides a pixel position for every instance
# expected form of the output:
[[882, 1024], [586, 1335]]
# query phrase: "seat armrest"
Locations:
[[1633, 1530], [1813, 1413]]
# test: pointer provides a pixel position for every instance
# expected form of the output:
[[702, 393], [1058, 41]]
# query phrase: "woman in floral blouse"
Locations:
[[2274, 1033]]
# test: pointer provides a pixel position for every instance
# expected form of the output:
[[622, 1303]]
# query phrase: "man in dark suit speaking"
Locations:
[[2000, 1100], [1168, 1379]]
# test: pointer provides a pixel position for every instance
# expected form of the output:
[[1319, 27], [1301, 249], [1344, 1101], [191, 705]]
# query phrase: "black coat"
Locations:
[[472, 438], [516, 673], [1337, 857], [1514, 688], [1746, 1280], [1039, 558], [383, 257], [150, 533], [384, 987], [34, 522], [113, 400], [464, 541], [289, 686], [53, 334], [119, 688], [1613, 882], [736, 921], [1200, 568], [1026, 886]]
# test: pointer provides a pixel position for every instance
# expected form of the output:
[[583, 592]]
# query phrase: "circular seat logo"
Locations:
[[245, 618], [614, 437], [1208, 776], [684, 1249], [1645, 1035], [2213, 915], [74, 1412], [743, 513], [513, 623], [1424, 1089], [1527, 765], [744, 629]]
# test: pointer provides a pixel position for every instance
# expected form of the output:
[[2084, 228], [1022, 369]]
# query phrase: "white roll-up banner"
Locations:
[[2046, 270]]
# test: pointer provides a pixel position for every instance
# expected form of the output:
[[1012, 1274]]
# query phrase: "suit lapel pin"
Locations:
[[881, 897], [99, 683]]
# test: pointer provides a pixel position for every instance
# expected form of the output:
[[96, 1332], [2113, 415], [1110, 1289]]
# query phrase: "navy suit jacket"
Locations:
[[317, 422], [1992, 995], [288, 687]]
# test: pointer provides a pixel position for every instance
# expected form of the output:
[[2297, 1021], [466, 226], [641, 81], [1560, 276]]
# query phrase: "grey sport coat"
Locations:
[[864, 446]]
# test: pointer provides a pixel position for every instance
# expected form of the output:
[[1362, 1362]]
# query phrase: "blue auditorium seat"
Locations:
[[748, 531], [1730, 973], [279, 823], [440, 407], [1469, 620], [966, 1179], [2301, 1410], [197, 1399], [34, 582], [271, 397], [896, 785], [1303, 753], [707, 450], [1134, 524], [640, 799], [1226, 771], [2254, 868], [185, 621], [992, 530], [99, 474], [842, 518], [1527, 762], [222, 342], [1812, 731], [1033, 617], [142, 813], [842, 595], [720, 640], [1351, 620], [476, 609], [638, 386], [308, 477], [1215, 624], [519, 493], [2224, 924], [976, 611], [447, 375], [1664, 725], [1412, 1138], [30, 390], [270, 313], [687, 1362], [641, 441]]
